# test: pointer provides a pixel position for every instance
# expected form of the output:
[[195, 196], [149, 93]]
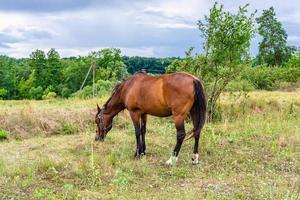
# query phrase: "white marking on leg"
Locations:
[[195, 159], [171, 160]]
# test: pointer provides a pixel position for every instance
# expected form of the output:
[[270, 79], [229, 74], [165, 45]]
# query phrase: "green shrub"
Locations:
[[102, 88], [86, 92], [294, 61], [240, 85], [50, 95], [49, 89], [3, 135], [66, 92], [269, 78], [3, 92], [36, 93], [262, 77]]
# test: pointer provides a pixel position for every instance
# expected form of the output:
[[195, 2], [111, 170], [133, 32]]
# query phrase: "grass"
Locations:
[[3, 135], [50, 153]]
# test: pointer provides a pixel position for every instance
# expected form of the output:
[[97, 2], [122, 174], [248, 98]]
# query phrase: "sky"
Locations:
[[152, 28]]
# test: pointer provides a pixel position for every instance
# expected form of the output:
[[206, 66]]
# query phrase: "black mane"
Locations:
[[119, 86], [115, 90]]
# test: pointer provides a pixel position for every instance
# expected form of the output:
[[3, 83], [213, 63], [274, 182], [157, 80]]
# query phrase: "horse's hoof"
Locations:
[[195, 160], [138, 155], [171, 160]]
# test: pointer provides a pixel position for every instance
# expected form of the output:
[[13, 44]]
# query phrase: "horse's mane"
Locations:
[[115, 90], [118, 87]]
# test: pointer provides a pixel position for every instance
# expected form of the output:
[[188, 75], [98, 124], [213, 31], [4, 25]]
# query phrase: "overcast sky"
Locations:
[[143, 27]]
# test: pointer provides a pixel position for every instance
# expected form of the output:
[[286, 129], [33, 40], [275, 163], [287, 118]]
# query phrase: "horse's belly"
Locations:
[[161, 112]]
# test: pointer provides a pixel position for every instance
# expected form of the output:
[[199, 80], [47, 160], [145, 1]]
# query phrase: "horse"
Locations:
[[178, 94]]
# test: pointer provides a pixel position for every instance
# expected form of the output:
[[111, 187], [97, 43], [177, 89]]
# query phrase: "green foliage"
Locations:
[[3, 92], [50, 95], [226, 43], [8, 76], [86, 92], [109, 64], [49, 89], [151, 65], [240, 85], [102, 88], [273, 49], [294, 61], [191, 63], [66, 92], [67, 128], [26, 85], [3, 135], [36, 93], [264, 77]]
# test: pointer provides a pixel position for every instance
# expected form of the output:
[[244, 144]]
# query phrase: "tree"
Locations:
[[8, 77], [53, 69], [151, 65], [73, 73], [294, 61], [273, 49], [38, 63], [226, 44], [26, 85], [109, 64]]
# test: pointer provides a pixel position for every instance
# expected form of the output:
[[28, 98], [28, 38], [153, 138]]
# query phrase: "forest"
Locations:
[[47, 75]]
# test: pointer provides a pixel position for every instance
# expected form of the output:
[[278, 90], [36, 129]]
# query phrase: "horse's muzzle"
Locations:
[[98, 138]]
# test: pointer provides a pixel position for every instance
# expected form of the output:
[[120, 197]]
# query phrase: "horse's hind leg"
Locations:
[[143, 131], [179, 123], [195, 159]]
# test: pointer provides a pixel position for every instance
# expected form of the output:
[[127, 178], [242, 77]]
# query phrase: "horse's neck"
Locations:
[[115, 106]]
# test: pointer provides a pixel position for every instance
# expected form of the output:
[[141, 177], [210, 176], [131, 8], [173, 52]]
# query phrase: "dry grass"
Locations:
[[252, 154]]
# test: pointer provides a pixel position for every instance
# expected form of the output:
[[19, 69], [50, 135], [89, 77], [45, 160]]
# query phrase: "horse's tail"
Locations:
[[198, 108]]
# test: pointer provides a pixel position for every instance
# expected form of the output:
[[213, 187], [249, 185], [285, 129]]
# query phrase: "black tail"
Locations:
[[199, 108]]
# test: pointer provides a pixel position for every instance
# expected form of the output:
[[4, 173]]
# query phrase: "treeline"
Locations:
[[46, 75], [225, 63]]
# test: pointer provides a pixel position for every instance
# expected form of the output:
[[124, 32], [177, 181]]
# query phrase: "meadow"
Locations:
[[47, 151]]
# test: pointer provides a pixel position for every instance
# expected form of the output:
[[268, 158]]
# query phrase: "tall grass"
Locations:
[[252, 152]]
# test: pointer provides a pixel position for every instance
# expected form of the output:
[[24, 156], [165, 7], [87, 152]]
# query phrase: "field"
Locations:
[[252, 152]]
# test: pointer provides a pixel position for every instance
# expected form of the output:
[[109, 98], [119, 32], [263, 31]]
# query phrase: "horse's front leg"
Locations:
[[143, 131], [136, 119], [179, 124]]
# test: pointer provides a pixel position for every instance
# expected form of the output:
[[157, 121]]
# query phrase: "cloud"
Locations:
[[128, 28], [144, 27], [293, 38], [42, 5]]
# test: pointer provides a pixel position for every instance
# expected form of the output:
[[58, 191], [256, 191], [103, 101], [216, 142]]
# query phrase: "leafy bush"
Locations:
[[240, 85], [103, 87], [36, 93], [294, 61], [86, 92], [3, 92], [49, 89], [269, 78], [3, 135], [50, 95], [66, 92]]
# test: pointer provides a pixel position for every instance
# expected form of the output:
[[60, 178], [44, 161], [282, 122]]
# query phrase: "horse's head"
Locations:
[[104, 124]]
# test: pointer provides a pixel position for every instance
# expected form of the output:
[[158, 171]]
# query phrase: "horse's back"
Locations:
[[161, 95]]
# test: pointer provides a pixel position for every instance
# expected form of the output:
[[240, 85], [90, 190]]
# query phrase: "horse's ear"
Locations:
[[98, 108]]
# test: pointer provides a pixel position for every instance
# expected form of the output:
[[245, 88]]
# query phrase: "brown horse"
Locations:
[[176, 94]]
